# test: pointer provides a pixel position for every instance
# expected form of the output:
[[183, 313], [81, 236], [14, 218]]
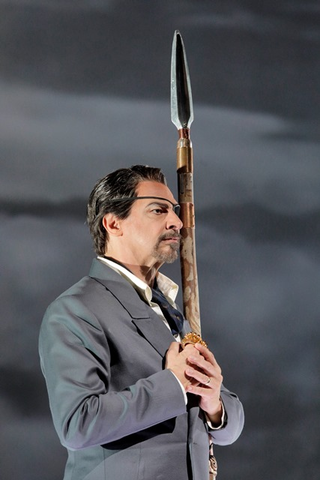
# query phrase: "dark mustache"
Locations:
[[168, 235]]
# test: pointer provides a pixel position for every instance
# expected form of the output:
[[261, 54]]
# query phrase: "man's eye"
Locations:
[[158, 211]]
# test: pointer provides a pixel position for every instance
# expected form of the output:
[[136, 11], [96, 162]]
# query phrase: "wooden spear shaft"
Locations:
[[189, 274]]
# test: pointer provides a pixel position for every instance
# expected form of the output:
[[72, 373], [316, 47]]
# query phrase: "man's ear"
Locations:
[[112, 224]]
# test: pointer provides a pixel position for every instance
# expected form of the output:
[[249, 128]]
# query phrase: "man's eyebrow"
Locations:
[[175, 206], [159, 202]]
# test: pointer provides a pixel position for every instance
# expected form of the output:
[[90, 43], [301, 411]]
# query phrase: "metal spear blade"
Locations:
[[181, 95]]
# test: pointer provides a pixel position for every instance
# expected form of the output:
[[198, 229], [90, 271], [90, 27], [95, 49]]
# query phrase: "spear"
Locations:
[[182, 117]]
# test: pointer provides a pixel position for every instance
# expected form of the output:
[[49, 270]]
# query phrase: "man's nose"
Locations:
[[173, 221]]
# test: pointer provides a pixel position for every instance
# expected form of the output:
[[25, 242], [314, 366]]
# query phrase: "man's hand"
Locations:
[[177, 362], [205, 370], [198, 371]]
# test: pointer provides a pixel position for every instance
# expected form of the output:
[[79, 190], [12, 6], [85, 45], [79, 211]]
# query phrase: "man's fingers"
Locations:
[[205, 352]]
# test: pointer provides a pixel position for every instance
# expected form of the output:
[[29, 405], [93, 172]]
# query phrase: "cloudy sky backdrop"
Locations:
[[84, 89]]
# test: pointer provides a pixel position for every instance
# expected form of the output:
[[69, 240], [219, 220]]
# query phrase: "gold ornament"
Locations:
[[192, 338]]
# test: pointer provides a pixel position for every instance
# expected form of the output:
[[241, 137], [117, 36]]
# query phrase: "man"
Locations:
[[127, 401]]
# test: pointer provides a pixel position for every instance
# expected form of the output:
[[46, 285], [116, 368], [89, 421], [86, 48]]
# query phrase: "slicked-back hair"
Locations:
[[116, 185]]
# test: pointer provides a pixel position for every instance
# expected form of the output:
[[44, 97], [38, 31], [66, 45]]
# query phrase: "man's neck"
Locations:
[[145, 273]]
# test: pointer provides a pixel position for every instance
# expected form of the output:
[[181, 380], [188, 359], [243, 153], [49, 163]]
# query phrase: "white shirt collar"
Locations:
[[167, 286]]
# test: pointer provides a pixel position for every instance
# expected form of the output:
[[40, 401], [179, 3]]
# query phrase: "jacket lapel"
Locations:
[[144, 318]]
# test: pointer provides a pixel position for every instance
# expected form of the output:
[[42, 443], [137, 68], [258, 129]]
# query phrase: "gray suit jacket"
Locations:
[[119, 413]]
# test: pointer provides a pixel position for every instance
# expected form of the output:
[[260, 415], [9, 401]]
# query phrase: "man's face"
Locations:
[[151, 232]]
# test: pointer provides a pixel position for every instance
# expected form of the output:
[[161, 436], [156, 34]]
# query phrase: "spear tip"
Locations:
[[181, 95]]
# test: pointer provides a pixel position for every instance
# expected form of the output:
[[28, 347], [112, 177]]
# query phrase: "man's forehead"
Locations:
[[155, 189]]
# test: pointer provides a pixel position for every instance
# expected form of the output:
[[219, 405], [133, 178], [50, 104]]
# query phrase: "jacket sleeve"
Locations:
[[234, 419], [76, 362]]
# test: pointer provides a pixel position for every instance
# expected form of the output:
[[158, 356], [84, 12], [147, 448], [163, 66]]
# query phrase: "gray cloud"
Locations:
[[239, 157]]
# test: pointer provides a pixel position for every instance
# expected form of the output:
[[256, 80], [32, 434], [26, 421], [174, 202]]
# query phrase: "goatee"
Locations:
[[171, 255]]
